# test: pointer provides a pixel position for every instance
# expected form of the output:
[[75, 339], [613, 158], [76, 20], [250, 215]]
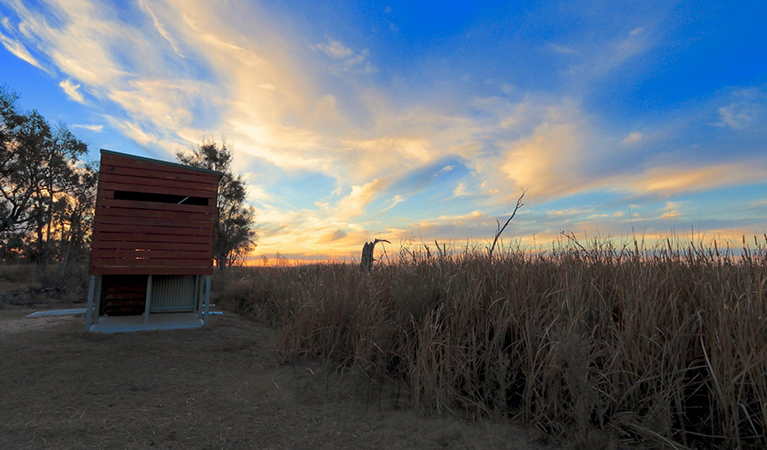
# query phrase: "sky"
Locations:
[[423, 121]]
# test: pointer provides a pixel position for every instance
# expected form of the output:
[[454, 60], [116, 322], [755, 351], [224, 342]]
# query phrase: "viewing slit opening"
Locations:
[[160, 198]]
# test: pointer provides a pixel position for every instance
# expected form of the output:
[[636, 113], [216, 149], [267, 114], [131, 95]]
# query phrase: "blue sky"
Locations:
[[416, 121]]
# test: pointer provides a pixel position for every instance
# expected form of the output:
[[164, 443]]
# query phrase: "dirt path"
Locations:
[[214, 388]]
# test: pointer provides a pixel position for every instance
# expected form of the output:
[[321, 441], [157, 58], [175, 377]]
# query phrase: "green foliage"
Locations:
[[234, 234]]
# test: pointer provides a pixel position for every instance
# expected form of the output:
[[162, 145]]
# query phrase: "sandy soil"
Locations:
[[219, 387]]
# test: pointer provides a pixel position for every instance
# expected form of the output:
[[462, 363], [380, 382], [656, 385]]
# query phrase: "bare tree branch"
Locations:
[[499, 229]]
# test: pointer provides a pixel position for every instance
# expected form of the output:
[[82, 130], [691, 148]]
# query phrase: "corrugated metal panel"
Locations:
[[173, 293]]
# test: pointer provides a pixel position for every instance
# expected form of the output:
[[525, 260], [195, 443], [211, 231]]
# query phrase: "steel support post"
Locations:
[[88, 312], [207, 299], [148, 301]]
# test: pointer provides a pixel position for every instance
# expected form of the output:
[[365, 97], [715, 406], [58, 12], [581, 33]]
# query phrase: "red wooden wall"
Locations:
[[134, 237]]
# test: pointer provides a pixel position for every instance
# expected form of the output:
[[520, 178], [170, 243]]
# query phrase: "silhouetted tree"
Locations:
[[234, 234], [46, 192]]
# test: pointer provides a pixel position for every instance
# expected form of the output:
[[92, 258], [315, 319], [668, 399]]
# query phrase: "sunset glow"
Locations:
[[423, 121]]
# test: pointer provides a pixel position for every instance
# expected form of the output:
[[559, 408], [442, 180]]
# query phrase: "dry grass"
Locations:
[[26, 285], [664, 346], [17, 272]]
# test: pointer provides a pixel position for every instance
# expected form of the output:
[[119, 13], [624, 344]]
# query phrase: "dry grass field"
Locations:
[[659, 347], [215, 388], [593, 348]]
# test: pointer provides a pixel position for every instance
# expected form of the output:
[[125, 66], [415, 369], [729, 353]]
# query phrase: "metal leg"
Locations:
[[90, 303], [97, 299], [148, 301], [207, 299], [199, 297]]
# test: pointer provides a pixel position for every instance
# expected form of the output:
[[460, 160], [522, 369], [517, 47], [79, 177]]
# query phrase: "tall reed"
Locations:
[[666, 344]]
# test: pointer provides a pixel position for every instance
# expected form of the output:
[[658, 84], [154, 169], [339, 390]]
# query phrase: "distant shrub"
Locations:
[[17, 273]]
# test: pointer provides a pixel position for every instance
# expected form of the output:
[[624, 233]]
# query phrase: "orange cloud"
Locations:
[[674, 179]]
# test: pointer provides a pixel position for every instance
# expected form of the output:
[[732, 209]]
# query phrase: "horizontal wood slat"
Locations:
[[151, 270], [153, 246], [125, 262], [153, 229], [133, 220], [105, 211], [140, 239], [145, 180], [111, 186], [174, 239], [112, 160], [154, 254], [210, 209], [101, 193], [118, 169]]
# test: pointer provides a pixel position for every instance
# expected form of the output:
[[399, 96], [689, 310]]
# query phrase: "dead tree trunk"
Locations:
[[367, 254]]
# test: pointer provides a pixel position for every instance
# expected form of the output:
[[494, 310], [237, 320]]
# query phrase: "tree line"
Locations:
[[48, 194], [47, 190]]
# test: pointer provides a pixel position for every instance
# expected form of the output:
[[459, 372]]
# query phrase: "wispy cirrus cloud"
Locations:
[[334, 49], [669, 180], [90, 127], [161, 28], [746, 107], [735, 116], [72, 90], [349, 58], [632, 138], [21, 52]]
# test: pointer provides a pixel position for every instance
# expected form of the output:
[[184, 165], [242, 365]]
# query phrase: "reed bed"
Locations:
[[664, 346]]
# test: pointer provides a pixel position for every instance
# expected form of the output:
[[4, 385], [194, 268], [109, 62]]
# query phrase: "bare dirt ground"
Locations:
[[219, 387]]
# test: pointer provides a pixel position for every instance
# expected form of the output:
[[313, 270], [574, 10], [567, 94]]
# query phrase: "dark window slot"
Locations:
[[160, 198]]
